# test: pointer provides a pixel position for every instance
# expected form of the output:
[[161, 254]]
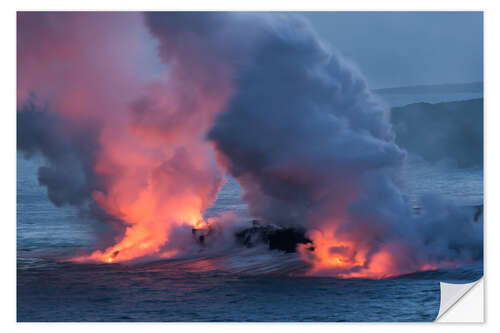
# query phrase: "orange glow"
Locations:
[[158, 179], [143, 148], [347, 259], [151, 217], [153, 167]]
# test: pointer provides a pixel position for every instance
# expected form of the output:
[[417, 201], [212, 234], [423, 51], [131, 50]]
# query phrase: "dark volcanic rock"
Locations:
[[287, 239], [278, 238]]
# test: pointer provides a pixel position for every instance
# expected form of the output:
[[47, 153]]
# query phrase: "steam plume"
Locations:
[[113, 136], [288, 117]]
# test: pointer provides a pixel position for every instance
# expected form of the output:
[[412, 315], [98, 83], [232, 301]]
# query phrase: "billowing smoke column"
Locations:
[[312, 147], [136, 134], [120, 137]]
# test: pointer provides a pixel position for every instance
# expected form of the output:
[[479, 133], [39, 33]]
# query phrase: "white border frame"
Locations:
[[8, 151]]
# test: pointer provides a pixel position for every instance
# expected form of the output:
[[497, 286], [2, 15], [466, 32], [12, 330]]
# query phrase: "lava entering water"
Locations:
[[138, 116]]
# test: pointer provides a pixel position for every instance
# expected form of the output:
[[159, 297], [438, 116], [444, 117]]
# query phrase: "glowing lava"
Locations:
[[130, 110], [346, 259]]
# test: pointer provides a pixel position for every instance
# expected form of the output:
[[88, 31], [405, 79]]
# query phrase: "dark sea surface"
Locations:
[[49, 289]]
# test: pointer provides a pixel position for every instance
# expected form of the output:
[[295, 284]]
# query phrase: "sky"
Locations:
[[407, 48]]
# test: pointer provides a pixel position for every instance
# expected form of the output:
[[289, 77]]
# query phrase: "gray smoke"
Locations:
[[311, 146], [299, 130], [68, 151]]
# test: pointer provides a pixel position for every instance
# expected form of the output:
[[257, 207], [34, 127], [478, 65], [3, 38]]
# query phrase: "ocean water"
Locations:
[[50, 289], [182, 291]]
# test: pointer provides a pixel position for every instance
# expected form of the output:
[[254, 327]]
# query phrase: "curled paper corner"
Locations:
[[462, 302]]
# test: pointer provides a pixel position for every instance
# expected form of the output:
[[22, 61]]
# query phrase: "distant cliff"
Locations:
[[434, 88], [452, 130]]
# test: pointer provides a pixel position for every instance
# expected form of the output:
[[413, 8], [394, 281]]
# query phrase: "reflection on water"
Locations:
[[185, 291]]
